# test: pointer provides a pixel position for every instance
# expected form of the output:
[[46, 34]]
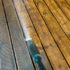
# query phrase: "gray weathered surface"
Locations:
[[21, 51], [6, 55]]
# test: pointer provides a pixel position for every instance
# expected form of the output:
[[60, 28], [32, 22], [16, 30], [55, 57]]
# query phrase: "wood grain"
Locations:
[[45, 36], [60, 38], [68, 2], [22, 55], [59, 16], [64, 7], [47, 22], [6, 54], [26, 22]]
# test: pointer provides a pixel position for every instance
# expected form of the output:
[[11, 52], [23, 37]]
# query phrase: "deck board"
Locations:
[[22, 13], [61, 39], [59, 16], [20, 48], [68, 2], [44, 35], [64, 7], [47, 22], [6, 55]]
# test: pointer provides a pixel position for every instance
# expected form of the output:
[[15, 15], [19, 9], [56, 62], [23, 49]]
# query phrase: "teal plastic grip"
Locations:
[[35, 54]]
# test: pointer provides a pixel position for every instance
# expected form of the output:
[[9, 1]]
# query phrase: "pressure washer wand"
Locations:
[[35, 54], [32, 49]]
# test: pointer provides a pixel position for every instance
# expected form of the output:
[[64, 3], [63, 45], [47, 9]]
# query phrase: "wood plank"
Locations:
[[59, 36], [33, 35], [59, 16], [68, 1], [64, 7], [7, 61], [31, 30], [22, 13], [21, 51], [45, 37]]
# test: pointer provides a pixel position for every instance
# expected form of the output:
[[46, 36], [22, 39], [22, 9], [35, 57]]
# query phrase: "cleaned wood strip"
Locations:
[[59, 36], [7, 61], [46, 38], [64, 7], [21, 51], [60, 17], [26, 22]]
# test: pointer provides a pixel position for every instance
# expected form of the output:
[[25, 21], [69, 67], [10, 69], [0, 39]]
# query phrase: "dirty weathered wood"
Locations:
[[6, 55], [22, 55]]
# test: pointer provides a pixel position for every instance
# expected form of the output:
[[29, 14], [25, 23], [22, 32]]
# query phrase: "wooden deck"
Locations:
[[48, 23]]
